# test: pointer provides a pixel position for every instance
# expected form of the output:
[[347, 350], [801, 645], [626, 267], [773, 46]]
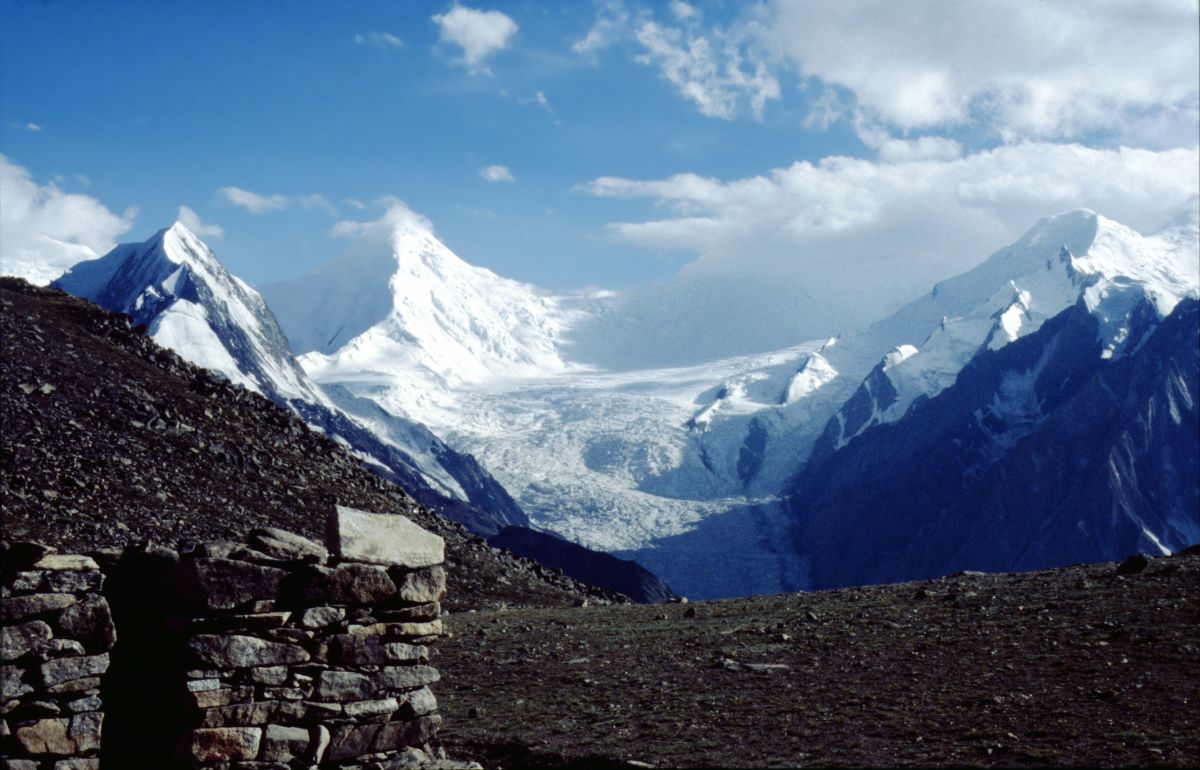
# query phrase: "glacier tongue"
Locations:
[[649, 462]]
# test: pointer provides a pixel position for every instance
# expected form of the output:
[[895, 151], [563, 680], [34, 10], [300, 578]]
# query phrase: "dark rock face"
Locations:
[[592, 567], [1094, 460]]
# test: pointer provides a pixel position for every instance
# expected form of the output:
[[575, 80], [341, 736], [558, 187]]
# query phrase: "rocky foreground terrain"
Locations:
[[109, 439], [1075, 667]]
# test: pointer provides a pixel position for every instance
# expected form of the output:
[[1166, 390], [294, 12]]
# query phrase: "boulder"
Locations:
[[421, 586], [379, 538]]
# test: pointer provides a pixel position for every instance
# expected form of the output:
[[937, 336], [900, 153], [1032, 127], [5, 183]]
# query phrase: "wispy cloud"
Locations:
[[709, 72], [480, 34], [383, 40], [33, 128], [538, 99], [497, 174], [191, 220], [261, 204], [398, 214], [253, 202]]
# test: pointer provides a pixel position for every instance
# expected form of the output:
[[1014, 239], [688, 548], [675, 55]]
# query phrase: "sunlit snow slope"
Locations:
[[683, 468]]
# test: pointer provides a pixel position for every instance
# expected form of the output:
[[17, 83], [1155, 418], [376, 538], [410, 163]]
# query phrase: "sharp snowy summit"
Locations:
[[176, 287]]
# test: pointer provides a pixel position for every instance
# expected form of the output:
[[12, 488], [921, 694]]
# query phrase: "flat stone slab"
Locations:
[[382, 538]]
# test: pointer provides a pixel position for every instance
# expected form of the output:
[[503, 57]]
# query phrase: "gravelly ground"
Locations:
[[1076, 667]]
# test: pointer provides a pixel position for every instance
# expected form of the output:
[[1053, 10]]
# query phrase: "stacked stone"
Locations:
[[54, 644], [296, 655]]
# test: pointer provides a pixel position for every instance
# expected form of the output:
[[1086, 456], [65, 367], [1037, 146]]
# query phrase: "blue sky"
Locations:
[[638, 136]]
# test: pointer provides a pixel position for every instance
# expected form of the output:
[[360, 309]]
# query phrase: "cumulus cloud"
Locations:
[[191, 220], [44, 231], [480, 34], [497, 174], [817, 249], [710, 73], [398, 214], [1025, 68], [384, 40]]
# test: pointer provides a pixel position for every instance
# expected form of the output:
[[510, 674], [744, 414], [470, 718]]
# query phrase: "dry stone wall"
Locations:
[[54, 645], [278, 653]]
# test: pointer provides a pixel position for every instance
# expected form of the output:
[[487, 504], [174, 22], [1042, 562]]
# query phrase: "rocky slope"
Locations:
[[1079, 667], [109, 438]]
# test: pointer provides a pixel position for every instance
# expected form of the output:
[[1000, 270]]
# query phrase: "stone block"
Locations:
[[66, 561], [88, 684], [419, 613], [345, 584], [396, 630], [272, 675], [223, 744], [251, 714], [224, 584], [350, 741], [318, 744], [18, 764], [281, 544], [238, 651], [23, 638], [221, 696], [20, 607], [58, 581], [90, 621], [63, 670], [13, 682], [343, 686], [352, 650], [421, 586], [58, 648], [319, 617], [78, 763], [405, 677], [61, 737], [413, 732], [365, 709], [379, 538], [418, 703], [283, 744]]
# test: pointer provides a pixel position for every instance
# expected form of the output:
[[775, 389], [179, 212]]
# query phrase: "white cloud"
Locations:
[[539, 99], [497, 174], [708, 72], [683, 11], [480, 34], [253, 202], [1025, 68], [613, 23], [261, 204], [383, 40], [44, 231], [398, 214], [33, 127], [191, 220], [818, 249]]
